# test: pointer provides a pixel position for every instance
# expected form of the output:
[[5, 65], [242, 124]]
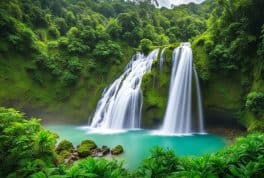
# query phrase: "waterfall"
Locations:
[[178, 115], [162, 58], [121, 103], [199, 103]]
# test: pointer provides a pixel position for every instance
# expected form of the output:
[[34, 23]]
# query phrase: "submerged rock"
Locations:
[[85, 148], [117, 150]]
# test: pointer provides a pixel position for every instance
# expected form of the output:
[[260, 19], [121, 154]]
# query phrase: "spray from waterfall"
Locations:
[[121, 103], [178, 115]]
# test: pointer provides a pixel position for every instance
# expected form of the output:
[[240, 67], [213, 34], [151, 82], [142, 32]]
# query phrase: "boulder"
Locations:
[[85, 148], [64, 145], [105, 150], [62, 156], [117, 150]]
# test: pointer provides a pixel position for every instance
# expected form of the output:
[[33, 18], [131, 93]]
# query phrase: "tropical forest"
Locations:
[[131, 88]]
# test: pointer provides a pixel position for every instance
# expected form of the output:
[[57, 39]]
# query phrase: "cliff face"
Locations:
[[225, 94], [155, 87]]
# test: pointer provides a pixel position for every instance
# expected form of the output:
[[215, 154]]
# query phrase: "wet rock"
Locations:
[[85, 148], [64, 145], [105, 150], [117, 150]]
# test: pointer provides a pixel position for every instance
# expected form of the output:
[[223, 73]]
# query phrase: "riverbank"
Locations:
[[229, 133]]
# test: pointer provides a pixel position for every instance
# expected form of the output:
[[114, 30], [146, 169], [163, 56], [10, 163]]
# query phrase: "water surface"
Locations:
[[137, 143]]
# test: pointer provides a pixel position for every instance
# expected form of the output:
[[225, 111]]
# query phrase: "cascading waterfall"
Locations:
[[178, 115], [199, 103], [162, 58], [121, 103]]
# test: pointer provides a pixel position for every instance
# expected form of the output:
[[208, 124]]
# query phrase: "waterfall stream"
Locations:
[[162, 58], [178, 115], [121, 103]]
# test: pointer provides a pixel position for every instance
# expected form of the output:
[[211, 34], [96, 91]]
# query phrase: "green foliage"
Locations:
[[160, 164], [256, 126], [255, 102], [145, 46], [90, 167], [48, 36], [261, 45], [114, 28], [108, 51], [24, 145], [54, 32], [27, 150], [243, 159]]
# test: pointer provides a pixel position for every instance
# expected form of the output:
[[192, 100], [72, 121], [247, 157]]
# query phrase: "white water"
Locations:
[[121, 103], [162, 58], [178, 115], [171, 3], [199, 103]]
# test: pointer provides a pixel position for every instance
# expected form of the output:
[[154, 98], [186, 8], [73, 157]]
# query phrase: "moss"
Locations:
[[62, 156], [201, 61], [117, 150], [64, 145], [256, 126], [155, 90], [84, 149], [222, 92]]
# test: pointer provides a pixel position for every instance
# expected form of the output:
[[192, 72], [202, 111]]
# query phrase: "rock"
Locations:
[[69, 160], [117, 150], [85, 148], [64, 145], [62, 156], [75, 154], [94, 152], [105, 150]]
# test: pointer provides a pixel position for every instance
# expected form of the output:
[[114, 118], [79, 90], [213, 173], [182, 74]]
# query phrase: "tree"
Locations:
[[108, 51], [114, 28], [145, 45], [54, 32]]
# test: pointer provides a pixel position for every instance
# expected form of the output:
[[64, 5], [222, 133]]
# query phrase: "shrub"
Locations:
[[69, 79], [25, 146], [54, 32], [74, 65], [145, 45], [91, 167], [77, 47], [243, 159], [255, 102], [108, 51], [161, 163]]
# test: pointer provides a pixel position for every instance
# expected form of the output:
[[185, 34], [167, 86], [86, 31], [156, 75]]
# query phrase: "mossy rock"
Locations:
[[117, 150], [84, 149], [64, 145], [62, 156]]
